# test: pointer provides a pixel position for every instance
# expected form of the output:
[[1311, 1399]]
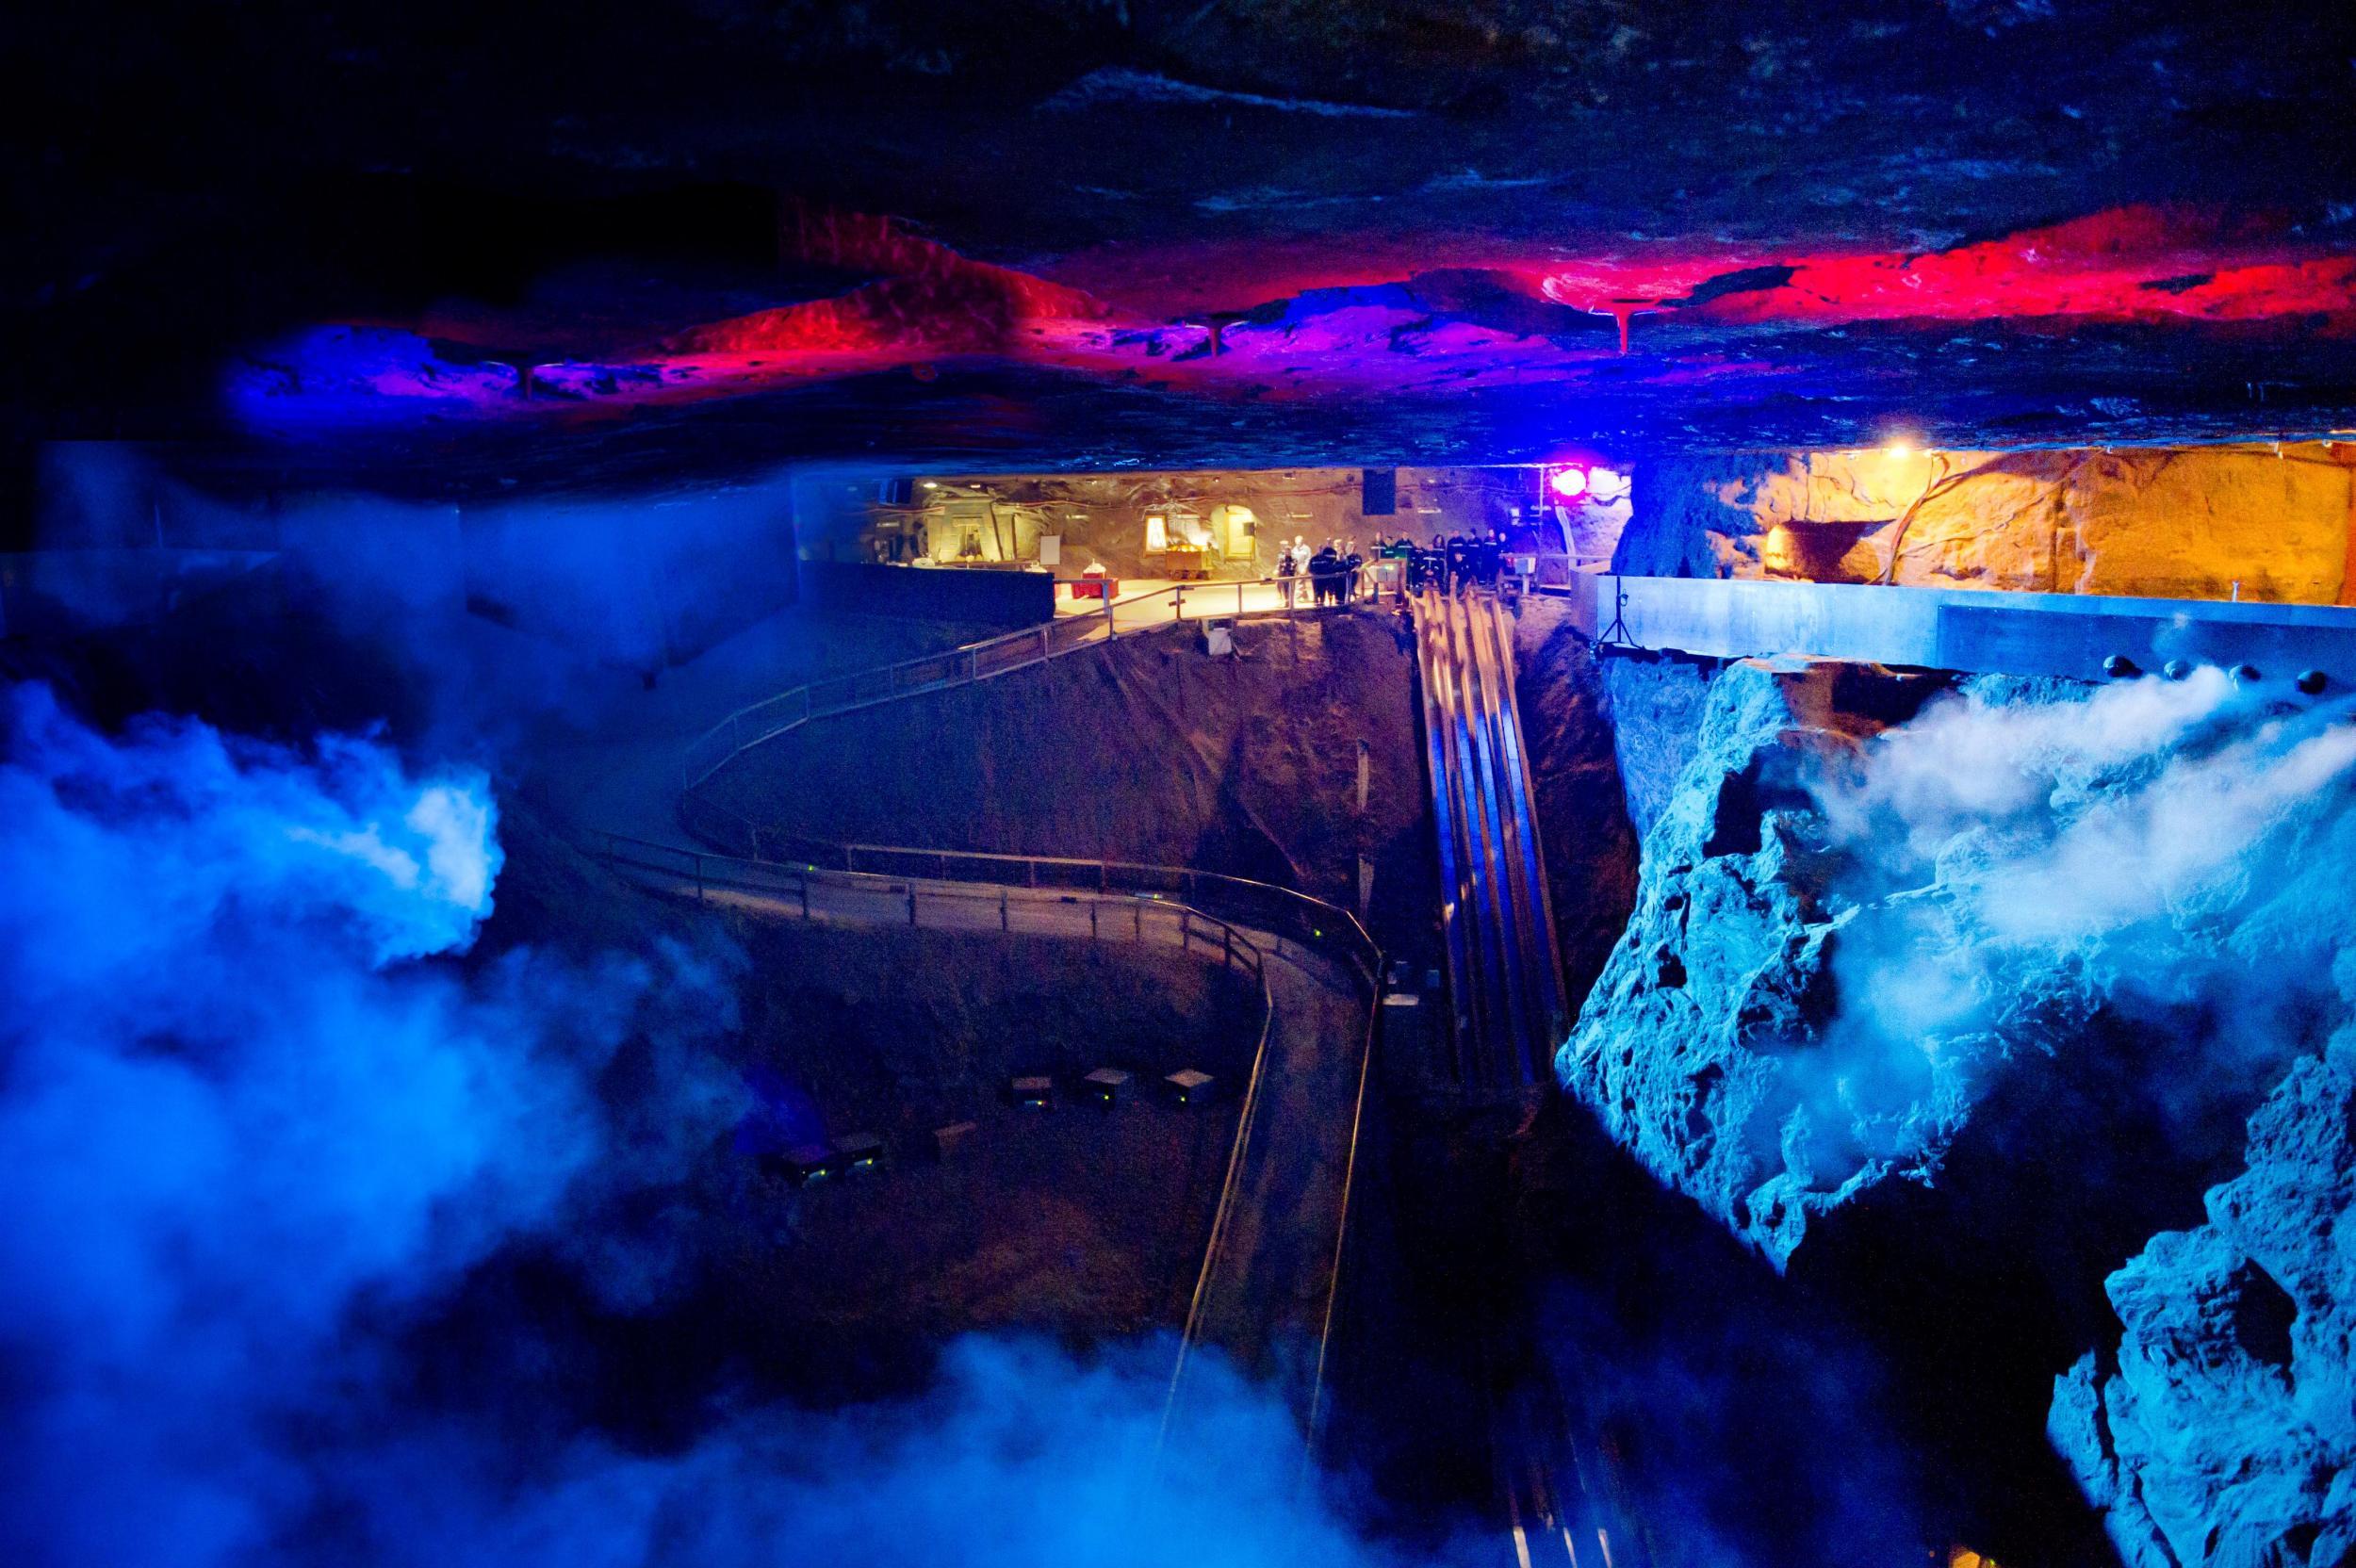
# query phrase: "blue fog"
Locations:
[[262, 1115]]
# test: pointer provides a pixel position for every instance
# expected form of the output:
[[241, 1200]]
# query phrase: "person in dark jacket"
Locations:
[[1352, 563], [1325, 572]]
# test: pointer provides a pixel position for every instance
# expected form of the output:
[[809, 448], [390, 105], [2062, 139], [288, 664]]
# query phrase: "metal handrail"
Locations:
[[1305, 919], [1240, 946], [765, 720], [977, 662]]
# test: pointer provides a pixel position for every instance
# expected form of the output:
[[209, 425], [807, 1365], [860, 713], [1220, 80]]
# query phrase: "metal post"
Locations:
[[803, 878], [1032, 867], [911, 904], [1092, 908], [1003, 924]]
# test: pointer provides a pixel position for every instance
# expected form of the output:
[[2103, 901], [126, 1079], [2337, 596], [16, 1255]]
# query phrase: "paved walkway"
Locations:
[[1151, 603]]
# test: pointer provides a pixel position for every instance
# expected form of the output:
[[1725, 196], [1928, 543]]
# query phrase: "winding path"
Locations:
[[1265, 1290]]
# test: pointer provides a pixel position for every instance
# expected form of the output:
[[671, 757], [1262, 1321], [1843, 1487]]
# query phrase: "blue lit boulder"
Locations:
[[2223, 1429]]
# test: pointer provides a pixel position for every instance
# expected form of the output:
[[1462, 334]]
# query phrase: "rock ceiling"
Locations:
[[574, 247]]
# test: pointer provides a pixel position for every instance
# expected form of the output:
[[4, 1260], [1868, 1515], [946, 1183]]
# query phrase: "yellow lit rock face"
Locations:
[[2188, 525], [2181, 523]]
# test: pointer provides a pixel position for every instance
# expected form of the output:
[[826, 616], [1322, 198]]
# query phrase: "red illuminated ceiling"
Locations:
[[1286, 321]]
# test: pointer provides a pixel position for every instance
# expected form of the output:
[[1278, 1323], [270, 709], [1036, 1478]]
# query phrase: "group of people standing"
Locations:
[[1453, 562], [1334, 569]]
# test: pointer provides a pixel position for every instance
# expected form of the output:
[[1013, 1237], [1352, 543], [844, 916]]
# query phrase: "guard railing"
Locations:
[[1307, 920], [771, 717], [804, 891]]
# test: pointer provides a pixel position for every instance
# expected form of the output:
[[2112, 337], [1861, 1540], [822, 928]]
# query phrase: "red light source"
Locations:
[[1567, 483]]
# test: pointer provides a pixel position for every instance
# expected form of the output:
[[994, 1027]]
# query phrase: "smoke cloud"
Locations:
[[1018, 1456], [238, 1109], [265, 1120], [2022, 854]]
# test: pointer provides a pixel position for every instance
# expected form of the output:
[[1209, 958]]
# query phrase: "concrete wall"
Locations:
[[1013, 599], [2164, 523]]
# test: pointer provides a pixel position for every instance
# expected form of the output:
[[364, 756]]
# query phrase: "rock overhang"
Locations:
[[1415, 234]]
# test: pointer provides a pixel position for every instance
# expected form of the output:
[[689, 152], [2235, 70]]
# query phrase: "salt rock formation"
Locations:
[[2223, 1429], [1846, 935], [1692, 1044], [1861, 938], [2270, 523]]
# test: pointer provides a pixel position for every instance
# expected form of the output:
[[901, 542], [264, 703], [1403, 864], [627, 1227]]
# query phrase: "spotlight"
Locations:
[[1567, 483], [1898, 452]]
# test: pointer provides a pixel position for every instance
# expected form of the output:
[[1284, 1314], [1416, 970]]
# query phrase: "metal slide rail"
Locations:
[[1505, 981], [1456, 897], [771, 717], [1492, 649]]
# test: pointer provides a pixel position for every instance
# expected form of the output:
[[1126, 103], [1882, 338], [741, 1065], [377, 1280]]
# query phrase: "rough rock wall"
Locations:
[[1561, 694], [1690, 1046], [1655, 704], [2223, 1428], [1843, 944], [2183, 523], [1151, 750], [1950, 1016]]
